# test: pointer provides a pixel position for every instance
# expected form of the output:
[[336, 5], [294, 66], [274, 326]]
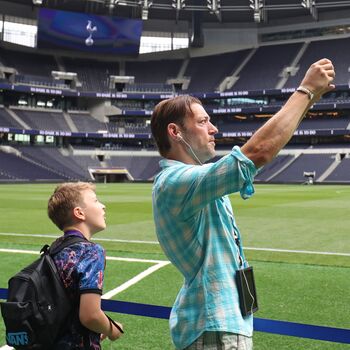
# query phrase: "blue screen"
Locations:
[[88, 32]]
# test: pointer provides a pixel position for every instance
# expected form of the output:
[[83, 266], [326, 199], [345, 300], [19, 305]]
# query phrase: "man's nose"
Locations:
[[213, 129]]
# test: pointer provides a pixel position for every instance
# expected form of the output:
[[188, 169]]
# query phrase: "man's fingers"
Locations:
[[324, 61], [331, 73], [328, 69]]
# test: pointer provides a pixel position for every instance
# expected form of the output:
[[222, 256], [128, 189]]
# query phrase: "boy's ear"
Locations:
[[78, 213]]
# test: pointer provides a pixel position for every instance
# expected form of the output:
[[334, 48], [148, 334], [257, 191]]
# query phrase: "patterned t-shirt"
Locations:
[[81, 267]]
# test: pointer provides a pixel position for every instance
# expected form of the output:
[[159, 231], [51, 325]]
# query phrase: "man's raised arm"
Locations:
[[264, 145]]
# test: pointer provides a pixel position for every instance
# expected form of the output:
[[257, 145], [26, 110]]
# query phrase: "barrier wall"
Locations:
[[337, 335]]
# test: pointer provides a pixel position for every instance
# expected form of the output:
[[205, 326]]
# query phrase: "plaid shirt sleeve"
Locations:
[[192, 187]]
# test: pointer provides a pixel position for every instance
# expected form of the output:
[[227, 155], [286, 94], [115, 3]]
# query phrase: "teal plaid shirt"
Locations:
[[195, 225]]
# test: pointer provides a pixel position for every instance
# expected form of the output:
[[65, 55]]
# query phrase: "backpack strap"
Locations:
[[57, 246]]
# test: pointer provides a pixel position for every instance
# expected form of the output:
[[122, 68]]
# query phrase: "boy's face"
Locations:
[[94, 211]]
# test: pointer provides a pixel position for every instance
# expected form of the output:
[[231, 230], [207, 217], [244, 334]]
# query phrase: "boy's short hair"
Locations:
[[65, 198], [172, 110]]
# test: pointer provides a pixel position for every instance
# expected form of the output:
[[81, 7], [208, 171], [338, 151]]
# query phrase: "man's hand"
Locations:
[[319, 77]]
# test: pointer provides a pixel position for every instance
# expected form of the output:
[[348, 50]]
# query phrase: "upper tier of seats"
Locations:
[[253, 69], [337, 50]]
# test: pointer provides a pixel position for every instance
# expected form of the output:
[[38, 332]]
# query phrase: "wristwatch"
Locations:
[[306, 91]]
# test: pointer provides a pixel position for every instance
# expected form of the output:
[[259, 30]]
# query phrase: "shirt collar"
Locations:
[[73, 233], [165, 163]]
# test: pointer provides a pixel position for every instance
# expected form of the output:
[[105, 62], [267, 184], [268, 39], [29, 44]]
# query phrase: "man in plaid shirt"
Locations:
[[194, 220]]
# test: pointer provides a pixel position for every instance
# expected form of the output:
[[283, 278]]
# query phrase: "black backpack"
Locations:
[[37, 309]]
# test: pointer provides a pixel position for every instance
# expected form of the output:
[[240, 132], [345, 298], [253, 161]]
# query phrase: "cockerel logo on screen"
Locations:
[[89, 41]]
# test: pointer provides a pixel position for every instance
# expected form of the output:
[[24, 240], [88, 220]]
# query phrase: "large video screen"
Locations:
[[88, 32]]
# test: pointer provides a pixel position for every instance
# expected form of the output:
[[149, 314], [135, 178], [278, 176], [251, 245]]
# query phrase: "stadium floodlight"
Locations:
[[37, 2], [145, 5], [110, 5], [178, 5], [144, 14], [310, 5], [306, 3], [258, 6], [214, 7]]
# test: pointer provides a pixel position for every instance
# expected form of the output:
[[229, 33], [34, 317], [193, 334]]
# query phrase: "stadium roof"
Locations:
[[213, 12]]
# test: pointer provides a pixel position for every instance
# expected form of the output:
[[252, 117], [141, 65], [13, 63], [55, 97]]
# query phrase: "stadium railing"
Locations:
[[337, 335]]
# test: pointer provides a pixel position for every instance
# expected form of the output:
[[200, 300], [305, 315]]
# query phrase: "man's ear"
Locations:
[[173, 131], [78, 213]]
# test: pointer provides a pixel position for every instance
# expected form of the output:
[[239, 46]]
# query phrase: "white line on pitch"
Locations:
[[134, 280], [154, 242], [124, 240], [108, 257], [19, 251], [94, 238], [137, 260], [297, 251]]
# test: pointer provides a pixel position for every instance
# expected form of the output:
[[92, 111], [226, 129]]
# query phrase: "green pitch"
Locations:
[[294, 226]]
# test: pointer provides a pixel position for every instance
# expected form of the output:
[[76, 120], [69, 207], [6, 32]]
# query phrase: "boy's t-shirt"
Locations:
[[81, 267]]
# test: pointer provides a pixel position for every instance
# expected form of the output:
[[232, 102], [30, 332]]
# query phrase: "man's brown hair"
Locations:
[[65, 198], [173, 110]]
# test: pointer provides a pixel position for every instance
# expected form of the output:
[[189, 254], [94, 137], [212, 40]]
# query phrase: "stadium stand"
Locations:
[[29, 63], [84, 122], [264, 68], [42, 119], [335, 123], [108, 128], [7, 120], [338, 50], [272, 169], [304, 162], [4, 176], [227, 126], [221, 66], [92, 74], [151, 72], [21, 168], [141, 168], [341, 172], [52, 158]]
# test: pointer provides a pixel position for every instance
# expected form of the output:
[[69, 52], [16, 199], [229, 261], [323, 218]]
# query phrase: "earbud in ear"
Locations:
[[179, 137]]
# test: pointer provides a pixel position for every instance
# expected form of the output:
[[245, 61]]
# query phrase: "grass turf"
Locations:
[[304, 288]]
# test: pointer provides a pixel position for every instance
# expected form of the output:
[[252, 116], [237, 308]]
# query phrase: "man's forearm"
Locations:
[[264, 145]]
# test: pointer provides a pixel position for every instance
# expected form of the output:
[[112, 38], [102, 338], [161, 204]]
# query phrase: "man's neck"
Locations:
[[181, 156]]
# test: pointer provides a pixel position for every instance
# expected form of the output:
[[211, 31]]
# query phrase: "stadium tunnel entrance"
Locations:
[[108, 175]]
